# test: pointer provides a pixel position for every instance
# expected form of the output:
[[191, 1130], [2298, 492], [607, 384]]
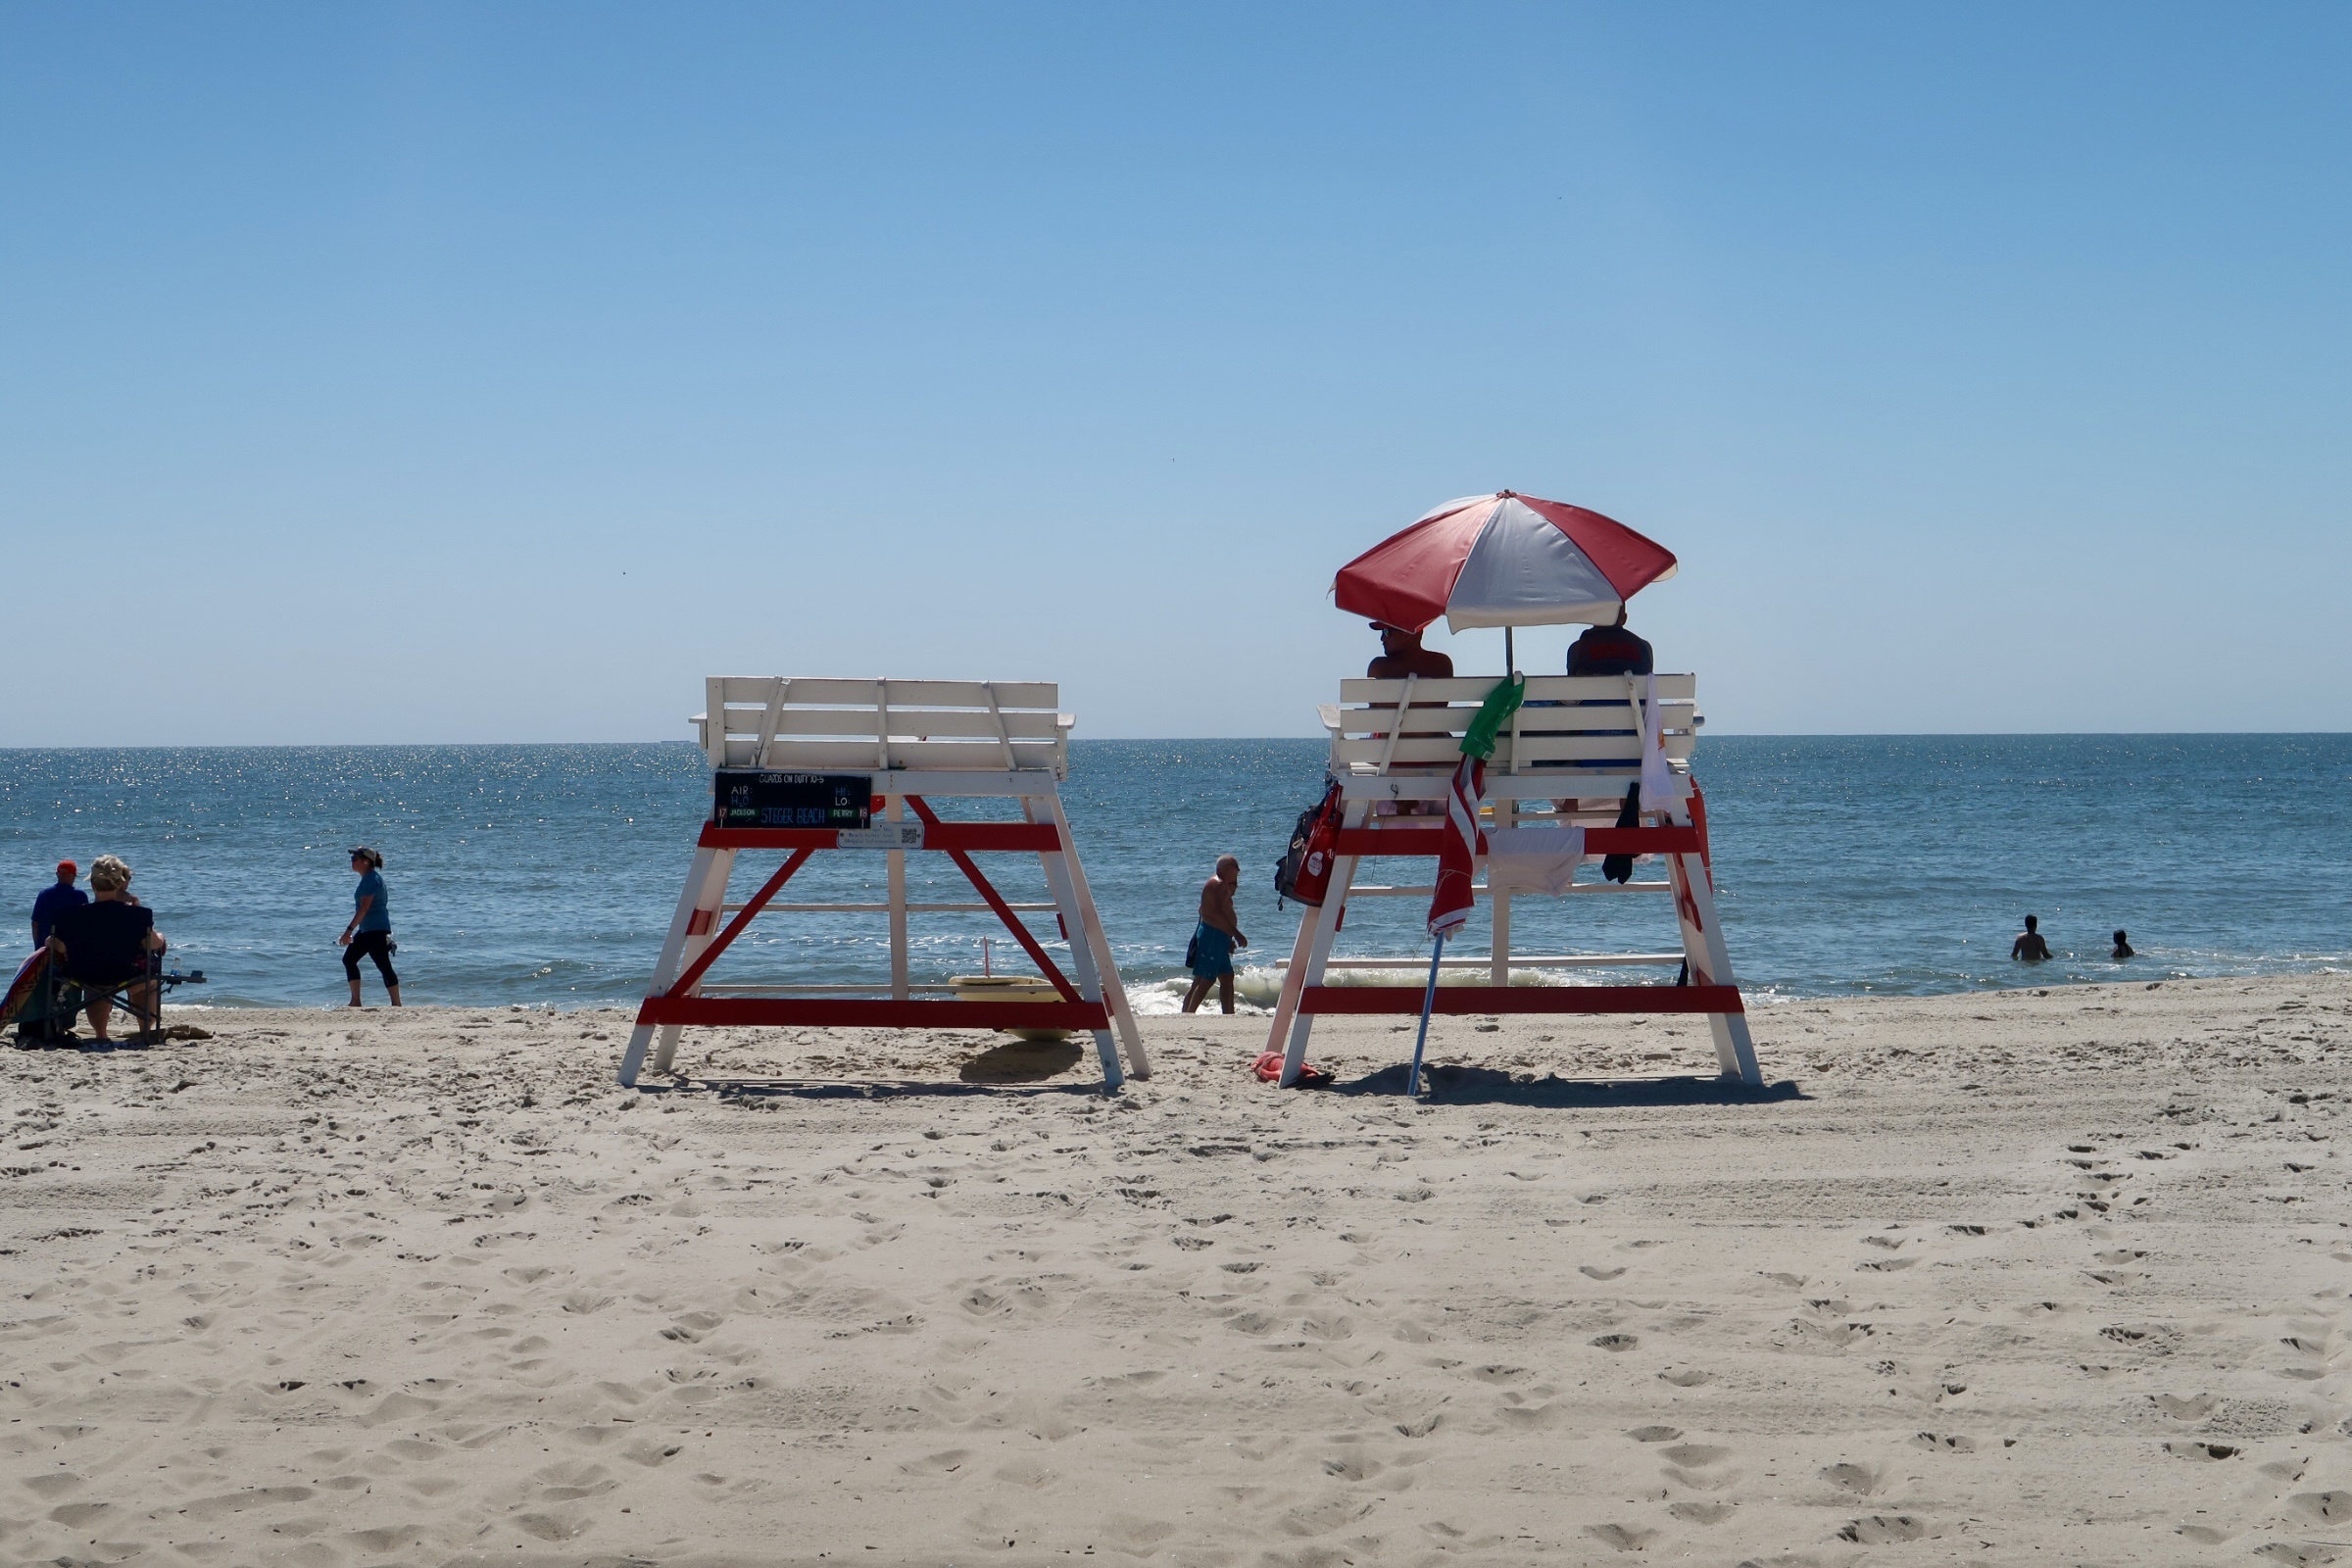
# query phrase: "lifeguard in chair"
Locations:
[[1506, 559]]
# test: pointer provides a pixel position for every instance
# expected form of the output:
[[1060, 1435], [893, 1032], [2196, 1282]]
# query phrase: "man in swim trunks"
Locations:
[[1216, 936]]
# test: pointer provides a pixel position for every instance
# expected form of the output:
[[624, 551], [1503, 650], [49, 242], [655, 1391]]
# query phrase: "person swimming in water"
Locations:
[[2029, 947], [2123, 948]]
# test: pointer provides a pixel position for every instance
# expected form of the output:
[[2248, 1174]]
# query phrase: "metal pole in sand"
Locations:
[[1429, 1000]]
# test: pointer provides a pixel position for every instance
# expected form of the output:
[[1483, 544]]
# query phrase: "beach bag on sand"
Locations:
[[1303, 873], [27, 1005]]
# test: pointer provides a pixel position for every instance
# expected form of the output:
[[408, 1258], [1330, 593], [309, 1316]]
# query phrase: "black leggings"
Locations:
[[377, 945]]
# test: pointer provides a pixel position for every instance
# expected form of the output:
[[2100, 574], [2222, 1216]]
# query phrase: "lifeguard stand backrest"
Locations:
[[811, 725], [1586, 719]]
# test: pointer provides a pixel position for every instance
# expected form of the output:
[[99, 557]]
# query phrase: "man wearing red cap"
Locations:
[[54, 899]]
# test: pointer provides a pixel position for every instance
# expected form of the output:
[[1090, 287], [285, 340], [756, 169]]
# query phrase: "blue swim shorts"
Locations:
[[1212, 952]]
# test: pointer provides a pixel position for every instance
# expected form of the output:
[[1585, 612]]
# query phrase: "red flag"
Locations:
[[1451, 902]]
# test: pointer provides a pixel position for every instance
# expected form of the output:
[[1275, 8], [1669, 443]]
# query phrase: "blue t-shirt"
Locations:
[[54, 899], [379, 913]]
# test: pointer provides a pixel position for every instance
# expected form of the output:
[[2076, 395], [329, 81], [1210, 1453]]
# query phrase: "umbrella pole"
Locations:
[[1511, 661], [1429, 1001]]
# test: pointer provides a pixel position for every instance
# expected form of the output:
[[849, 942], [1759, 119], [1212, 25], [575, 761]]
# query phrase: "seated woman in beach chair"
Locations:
[[109, 948]]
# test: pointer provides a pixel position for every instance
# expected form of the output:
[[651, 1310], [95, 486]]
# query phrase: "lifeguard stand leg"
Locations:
[[1709, 959], [705, 890], [894, 809], [1089, 985], [1089, 944], [1056, 867], [700, 935], [1318, 954], [1294, 978]]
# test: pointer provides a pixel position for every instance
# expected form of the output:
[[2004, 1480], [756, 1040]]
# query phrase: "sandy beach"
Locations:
[[2050, 1276]]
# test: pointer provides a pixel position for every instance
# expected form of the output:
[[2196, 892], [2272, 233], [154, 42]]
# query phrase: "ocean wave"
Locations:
[[1258, 990]]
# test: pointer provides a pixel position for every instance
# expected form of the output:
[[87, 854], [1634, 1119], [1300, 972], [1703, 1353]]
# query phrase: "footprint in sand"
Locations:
[[1880, 1528], [1944, 1443], [2201, 1451], [1136, 1533], [1861, 1480], [2195, 1408], [1654, 1433], [571, 1481], [1688, 1378], [1695, 1456], [692, 1327], [1617, 1342], [1590, 1272], [552, 1527], [1026, 1473], [1690, 1464], [650, 1454], [1625, 1538], [1701, 1513], [2322, 1507]]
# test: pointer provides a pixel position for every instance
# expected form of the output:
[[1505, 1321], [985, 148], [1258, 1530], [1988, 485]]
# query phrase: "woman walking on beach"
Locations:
[[370, 933]]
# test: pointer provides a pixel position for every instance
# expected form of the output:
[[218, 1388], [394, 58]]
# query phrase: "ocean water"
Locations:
[[546, 875]]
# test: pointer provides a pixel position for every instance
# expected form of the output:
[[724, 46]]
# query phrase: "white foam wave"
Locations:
[[1258, 990]]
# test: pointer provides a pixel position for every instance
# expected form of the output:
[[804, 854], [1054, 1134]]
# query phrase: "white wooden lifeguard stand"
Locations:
[[889, 747], [1393, 740]]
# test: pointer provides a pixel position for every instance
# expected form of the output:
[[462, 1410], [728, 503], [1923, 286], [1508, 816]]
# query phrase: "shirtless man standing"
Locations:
[[1216, 936]]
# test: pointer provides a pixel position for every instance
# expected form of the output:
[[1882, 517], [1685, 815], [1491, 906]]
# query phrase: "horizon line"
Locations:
[[1131, 740]]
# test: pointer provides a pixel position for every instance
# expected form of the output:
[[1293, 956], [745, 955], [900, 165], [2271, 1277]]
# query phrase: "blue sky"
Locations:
[[495, 373]]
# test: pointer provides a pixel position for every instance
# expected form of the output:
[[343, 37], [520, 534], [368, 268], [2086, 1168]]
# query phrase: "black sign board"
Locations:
[[744, 797]]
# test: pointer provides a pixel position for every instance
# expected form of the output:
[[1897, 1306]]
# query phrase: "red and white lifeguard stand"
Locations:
[[811, 766], [1563, 767]]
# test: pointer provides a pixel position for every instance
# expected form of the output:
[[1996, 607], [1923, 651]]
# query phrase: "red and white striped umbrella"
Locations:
[[1450, 900], [1504, 560]]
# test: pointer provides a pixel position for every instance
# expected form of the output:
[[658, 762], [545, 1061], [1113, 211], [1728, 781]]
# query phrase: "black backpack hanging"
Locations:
[[1620, 868]]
